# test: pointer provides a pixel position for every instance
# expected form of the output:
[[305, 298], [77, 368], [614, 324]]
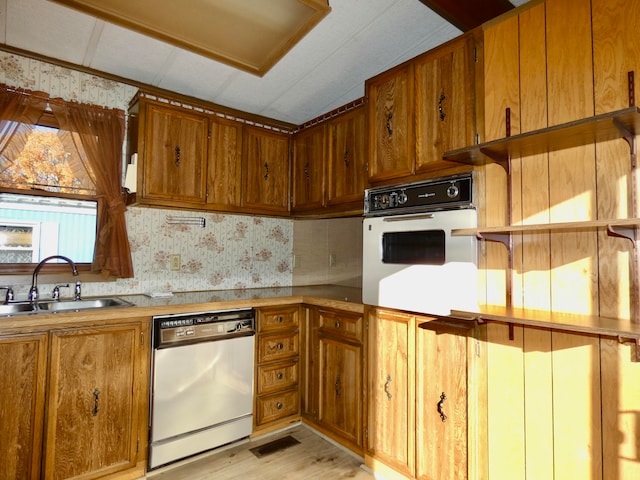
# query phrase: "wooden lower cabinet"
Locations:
[[22, 393], [278, 364], [418, 397], [92, 421], [334, 378]]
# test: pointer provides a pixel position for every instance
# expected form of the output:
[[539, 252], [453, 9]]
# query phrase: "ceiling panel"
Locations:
[[326, 69]]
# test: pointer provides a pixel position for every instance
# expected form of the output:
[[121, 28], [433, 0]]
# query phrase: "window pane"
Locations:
[[33, 228], [44, 158]]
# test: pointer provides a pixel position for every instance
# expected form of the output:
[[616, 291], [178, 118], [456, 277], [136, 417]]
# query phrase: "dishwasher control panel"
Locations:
[[172, 330]]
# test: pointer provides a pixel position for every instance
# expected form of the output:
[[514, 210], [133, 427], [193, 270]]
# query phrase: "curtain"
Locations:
[[99, 135], [19, 110]]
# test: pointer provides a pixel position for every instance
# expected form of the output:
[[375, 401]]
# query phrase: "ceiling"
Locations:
[[326, 69]]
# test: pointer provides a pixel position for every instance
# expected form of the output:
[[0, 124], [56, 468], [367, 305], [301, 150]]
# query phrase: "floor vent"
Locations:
[[274, 446]]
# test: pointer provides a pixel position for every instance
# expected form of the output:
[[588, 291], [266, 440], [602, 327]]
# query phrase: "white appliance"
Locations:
[[201, 383], [411, 261]]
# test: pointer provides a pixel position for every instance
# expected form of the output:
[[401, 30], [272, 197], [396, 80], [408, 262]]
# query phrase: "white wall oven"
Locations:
[[410, 259]]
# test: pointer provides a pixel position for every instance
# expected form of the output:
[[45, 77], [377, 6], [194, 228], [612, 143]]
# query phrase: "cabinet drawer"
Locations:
[[274, 407], [277, 347], [278, 319], [280, 376], [341, 325]]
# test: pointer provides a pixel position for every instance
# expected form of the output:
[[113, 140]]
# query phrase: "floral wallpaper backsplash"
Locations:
[[230, 252]]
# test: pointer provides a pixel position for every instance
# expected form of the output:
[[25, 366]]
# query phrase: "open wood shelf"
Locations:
[[608, 126], [613, 327], [615, 226]]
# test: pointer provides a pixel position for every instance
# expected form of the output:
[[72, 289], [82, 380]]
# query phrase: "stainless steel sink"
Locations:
[[52, 306], [74, 305], [17, 308]]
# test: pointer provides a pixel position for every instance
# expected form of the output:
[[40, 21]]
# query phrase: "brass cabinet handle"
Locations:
[[96, 401], [440, 107], [177, 156], [443, 417], [266, 171], [388, 125], [386, 387], [346, 156]]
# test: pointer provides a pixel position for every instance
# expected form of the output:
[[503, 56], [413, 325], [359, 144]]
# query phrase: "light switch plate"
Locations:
[[175, 262]]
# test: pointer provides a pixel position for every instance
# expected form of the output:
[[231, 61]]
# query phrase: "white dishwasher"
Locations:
[[202, 372]]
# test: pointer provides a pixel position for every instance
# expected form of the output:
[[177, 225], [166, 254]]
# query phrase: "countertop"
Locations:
[[332, 296]]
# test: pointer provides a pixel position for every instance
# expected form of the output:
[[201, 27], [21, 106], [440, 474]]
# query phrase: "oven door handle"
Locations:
[[420, 216]]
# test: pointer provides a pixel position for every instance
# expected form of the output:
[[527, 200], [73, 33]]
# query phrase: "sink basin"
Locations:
[[16, 308], [90, 303]]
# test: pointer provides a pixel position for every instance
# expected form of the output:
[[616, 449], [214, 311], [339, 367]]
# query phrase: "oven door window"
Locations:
[[422, 247]]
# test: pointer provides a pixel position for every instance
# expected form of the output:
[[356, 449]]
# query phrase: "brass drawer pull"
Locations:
[[280, 319], [279, 405], [280, 346], [337, 324], [96, 401], [386, 387], [280, 376], [443, 417]]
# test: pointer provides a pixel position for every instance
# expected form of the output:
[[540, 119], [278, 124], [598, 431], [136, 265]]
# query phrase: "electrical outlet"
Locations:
[[296, 261], [175, 262]]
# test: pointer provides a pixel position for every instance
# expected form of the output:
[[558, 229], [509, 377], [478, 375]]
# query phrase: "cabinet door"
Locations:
[[441, 400], [266, 171], [23, 360], [444, 103], [391, 133], [308, 168], [93, 404], [224, 184], [340, 396], [347, 172], [175, 155], [392, 389]]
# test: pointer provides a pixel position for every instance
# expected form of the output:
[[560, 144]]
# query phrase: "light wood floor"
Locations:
[[313, 458]]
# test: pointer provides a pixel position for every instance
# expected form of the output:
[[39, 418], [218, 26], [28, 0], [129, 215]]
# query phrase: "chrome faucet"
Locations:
[[33, 292], [9, 295]]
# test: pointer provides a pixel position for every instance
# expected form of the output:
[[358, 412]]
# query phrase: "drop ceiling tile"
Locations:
[[45, 28], [130, 55]]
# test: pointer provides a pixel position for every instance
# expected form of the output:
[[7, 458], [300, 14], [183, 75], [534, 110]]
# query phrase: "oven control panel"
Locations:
[[170, 330], [434, 194]]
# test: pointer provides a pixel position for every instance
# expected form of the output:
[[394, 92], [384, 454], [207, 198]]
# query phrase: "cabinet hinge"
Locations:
[[366, 166], [477, 348], [142, 339]]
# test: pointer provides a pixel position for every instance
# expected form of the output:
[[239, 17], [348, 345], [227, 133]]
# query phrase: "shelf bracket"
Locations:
[[504, 238], [630, 138], [503, 161], [623, 232]]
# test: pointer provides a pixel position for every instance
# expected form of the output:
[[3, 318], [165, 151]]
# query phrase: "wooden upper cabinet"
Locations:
[[347, 159], [175, 155], [266, 171], [391, 132], [224, 165], [444, 100], [308, 168]]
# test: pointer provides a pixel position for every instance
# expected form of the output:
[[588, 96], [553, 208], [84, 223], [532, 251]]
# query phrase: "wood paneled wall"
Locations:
[[561, 405]]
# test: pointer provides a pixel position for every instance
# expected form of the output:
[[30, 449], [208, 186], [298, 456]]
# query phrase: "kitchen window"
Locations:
[[61, 162]]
